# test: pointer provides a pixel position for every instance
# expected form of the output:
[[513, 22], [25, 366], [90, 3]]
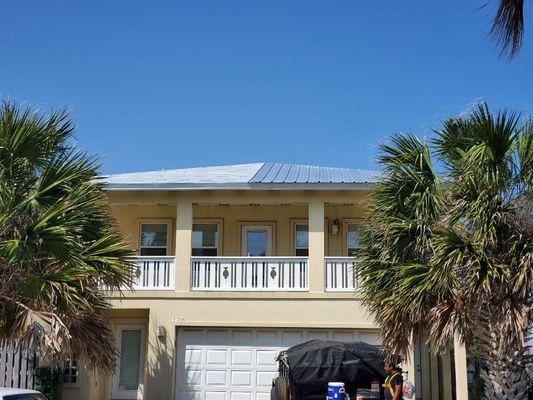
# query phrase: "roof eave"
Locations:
[[125, 187]]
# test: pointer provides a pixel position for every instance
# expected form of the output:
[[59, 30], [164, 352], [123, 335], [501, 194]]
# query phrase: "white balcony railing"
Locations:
[[154, 273], [249, 273], [341, 275]]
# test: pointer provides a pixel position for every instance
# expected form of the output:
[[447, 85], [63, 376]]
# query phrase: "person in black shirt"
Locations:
[[393, 387]]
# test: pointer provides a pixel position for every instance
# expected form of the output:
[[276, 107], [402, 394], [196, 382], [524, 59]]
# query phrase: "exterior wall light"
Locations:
[[335, 227], [161, 332]]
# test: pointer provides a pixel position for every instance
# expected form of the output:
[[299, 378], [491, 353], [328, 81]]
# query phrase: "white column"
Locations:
[[316, 246], [461, 377], [183, 245], [410, 363]]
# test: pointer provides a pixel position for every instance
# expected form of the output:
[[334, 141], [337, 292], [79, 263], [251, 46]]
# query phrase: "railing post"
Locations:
[[316, 246], [183, 245]]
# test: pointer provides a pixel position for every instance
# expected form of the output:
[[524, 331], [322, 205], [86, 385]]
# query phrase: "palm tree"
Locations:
[[58, 242], [447, 250]]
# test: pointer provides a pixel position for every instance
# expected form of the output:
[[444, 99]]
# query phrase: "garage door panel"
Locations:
[[291, 338], [216, 356], [190, 356], [267, 357], [262, 396], [191, 336], [217, 337], [320, 335], [241, 378], [190, 377], [242, 338], [344, 336], [370, 338], [215, 395], [241, 357], [216, 378], [267, 338], [241, 396], [264, 378]]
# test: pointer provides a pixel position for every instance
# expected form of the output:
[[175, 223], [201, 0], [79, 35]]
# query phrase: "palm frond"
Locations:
[[508, 26], [58, 241]]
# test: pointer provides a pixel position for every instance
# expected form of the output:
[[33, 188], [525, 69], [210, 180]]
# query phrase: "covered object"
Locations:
[[313, 364]]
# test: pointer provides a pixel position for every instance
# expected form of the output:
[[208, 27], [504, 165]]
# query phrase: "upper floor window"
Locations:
[[352, 239], [205, 240], [154, 239], [301, 240]]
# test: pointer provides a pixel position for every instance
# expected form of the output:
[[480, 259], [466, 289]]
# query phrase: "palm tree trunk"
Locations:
[[505, 375]]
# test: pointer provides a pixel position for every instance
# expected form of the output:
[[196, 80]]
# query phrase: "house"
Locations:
[[236, 263]]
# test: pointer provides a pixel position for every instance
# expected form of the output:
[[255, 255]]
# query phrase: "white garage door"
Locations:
[[239, 364]]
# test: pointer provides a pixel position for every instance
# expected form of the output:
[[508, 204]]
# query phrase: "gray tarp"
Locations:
[[315, 363]]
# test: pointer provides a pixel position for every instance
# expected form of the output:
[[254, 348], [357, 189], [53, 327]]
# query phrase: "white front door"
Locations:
[[239, 364], [256, 241], [128, 378]]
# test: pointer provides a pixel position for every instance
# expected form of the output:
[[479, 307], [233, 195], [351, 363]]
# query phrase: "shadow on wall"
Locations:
[[160, 375]]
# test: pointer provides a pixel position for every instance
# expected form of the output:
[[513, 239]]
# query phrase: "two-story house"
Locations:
[[236, 263]]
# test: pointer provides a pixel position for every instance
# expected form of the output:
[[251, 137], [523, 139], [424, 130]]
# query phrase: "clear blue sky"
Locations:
[[169, 84]]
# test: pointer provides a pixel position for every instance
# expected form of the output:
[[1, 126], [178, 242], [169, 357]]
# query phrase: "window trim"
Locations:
[[305, 221], [345, 223], [166, 221], [116, 393], [220, 229]]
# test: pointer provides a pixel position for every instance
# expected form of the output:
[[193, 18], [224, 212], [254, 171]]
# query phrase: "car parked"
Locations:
[[20, 394]]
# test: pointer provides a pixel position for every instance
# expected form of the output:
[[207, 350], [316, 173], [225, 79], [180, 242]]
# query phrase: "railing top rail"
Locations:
[[344, 258], [154, 258], [244, 258]]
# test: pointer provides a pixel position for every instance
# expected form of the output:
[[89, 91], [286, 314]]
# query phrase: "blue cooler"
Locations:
[[336, 391]]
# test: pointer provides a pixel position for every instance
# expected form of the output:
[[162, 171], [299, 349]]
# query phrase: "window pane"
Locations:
[[353, 236], [154, 235], [302, 236], [204, 235], [130, 357], [352, 252], [257, 243], [302, 252], [153, 251], [204, 252]]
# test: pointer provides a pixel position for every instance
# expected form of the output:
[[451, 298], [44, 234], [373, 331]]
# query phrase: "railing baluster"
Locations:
[[340, 274], [249, 273]]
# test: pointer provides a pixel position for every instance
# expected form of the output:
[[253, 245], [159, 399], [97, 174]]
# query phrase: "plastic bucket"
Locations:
[[336, 391]]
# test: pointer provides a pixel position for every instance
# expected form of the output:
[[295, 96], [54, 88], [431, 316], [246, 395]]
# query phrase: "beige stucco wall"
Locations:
[[232, 217]]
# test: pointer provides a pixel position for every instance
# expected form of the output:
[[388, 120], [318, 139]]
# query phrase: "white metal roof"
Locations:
[[255, 176]]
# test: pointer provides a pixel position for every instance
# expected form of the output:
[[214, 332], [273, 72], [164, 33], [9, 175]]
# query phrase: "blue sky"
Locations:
[[170, 84]]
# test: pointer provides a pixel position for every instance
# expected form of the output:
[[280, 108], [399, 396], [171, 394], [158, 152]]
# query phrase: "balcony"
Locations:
[[249, 274], [154, 273], [341, 274], [289, 274]]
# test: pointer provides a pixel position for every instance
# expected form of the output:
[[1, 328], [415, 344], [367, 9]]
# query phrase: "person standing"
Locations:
[[393, 386]]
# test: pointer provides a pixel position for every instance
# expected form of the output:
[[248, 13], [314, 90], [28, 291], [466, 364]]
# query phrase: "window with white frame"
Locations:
[[301, 240], [154, 239], [205, 239], [70, 371], [352, 239]]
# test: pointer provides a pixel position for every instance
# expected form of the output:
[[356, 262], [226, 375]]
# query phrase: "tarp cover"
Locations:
[[315, 363]]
